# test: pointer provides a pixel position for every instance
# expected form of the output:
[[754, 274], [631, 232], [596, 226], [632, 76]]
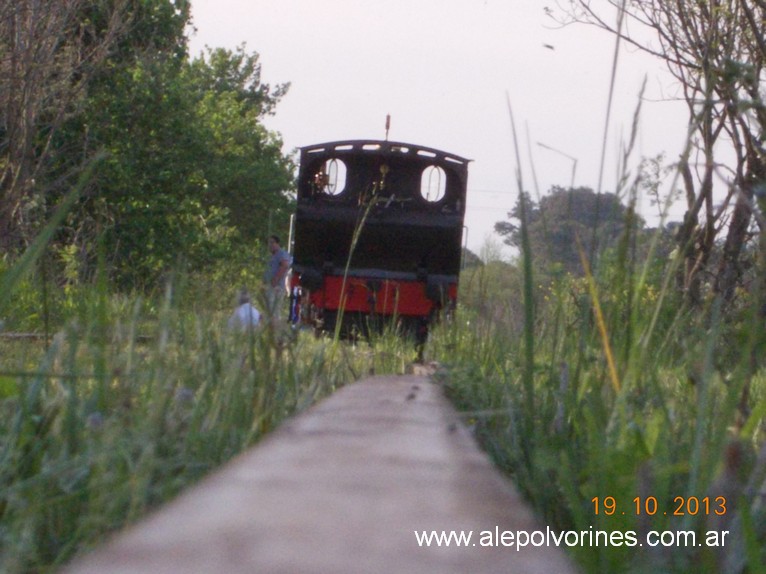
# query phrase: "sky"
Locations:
[[446, 72]]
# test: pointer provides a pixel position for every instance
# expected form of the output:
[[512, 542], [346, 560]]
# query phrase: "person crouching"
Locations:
[[245, 316]]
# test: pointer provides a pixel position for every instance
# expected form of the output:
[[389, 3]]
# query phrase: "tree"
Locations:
[[190, 169], [716, 50], [562, 218], [144, 206], [49, 52], [148, 202], [470, 259], [246, 172]]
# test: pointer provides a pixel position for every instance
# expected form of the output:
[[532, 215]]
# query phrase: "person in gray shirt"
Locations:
[[274, 278]]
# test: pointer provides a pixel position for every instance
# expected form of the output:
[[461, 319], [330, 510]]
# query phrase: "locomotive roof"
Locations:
[[384, 147]]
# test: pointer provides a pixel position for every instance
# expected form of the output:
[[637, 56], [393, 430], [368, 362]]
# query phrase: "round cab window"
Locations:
[[331, 179], [433, 183]]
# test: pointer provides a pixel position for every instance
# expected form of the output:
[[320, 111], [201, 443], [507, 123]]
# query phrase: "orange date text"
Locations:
[[648, 505]]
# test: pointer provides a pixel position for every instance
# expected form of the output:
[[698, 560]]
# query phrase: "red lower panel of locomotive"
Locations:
[[363, 302]]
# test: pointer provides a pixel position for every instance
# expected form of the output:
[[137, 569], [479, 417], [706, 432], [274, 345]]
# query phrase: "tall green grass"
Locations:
[[676, 427], [608, 388], [134, 400]]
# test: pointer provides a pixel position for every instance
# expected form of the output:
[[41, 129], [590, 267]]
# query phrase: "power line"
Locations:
[[503, 192], [488, 208]]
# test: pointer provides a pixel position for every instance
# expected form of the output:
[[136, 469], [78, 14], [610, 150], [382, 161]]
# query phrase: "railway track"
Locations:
[[344, 487], [16, 336]]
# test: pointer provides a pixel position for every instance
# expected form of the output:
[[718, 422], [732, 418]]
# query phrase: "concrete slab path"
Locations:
[[343, 488]]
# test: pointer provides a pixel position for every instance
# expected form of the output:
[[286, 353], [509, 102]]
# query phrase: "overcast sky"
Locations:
[[444, 70]]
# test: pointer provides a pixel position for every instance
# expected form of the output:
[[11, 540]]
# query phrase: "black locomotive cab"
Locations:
[[378, 232]]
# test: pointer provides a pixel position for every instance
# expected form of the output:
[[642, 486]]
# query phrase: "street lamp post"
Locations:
[[566, 155]]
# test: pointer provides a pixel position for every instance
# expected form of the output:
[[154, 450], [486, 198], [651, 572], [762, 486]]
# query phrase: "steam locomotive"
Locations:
[[377, 235]]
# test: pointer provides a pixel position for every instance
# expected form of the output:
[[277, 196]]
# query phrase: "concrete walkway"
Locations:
[[342, 488]]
